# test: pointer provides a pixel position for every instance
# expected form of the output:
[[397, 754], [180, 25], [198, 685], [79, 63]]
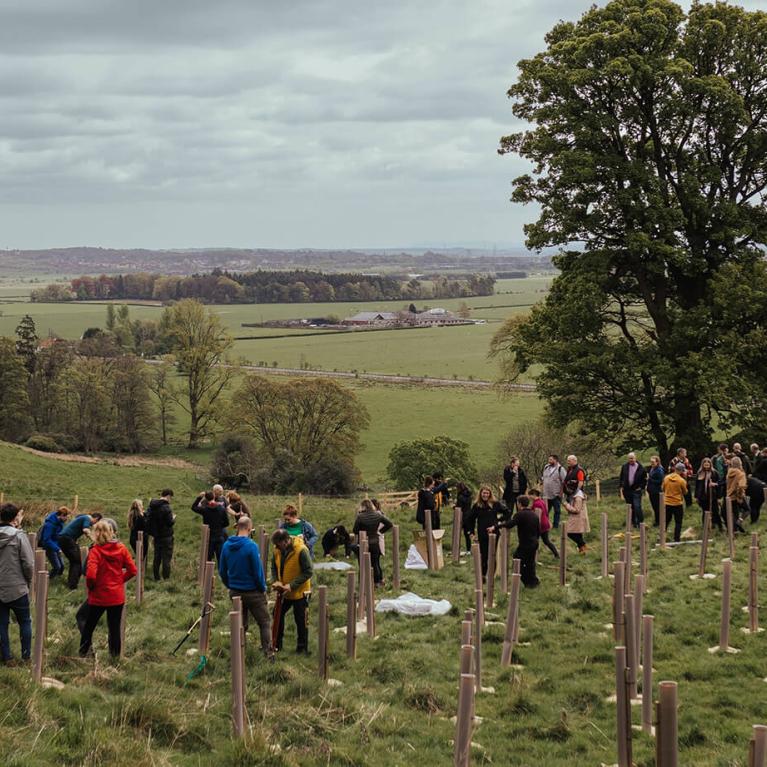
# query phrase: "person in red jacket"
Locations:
[[109, 566]]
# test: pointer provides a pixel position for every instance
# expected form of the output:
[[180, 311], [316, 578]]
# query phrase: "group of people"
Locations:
[[729, 475]]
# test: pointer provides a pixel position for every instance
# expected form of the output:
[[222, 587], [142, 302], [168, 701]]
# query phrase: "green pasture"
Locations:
[[393, 705]]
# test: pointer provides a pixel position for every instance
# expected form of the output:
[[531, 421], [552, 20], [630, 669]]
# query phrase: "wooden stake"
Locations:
[[351, 614], [83, 557], [643, 555], [456, 550], [203, 558], [139, 568], [516, 570], [629, 634], [511, 616], [504, 563], [395, 557], [362, 543], [753, 590], [207, 600], [431, 557], [39, 567], [647, 621], [724, 623], [627, 545], [33, 544], [618, 592], [300, 504], [668, 734], [662, 520], [563, 553], [479, 623], [238, 682], [598, 487], [704, 543], [463, 725], [638, 603], [621, 709], [490, 570], [604, 545], [41, 625], [760, 745], [730, 527], [322, 633], [370, 604], [466, 632], [75, 504]]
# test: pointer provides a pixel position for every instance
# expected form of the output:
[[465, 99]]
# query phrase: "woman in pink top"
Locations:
[[541, 509]]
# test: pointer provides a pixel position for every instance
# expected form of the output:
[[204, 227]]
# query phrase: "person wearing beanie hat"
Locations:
[[675, 489]]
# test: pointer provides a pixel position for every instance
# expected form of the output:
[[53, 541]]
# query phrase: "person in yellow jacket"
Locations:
[[291, 575], [674, 491]]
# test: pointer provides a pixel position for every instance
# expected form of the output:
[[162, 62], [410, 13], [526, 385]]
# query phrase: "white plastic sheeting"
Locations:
[[414, 560], [411, 604], [332, 566]]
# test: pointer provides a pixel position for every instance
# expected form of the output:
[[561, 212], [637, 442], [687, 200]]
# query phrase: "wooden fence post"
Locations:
[[395, 557], [622, 709], [618, 593], [238, 681], [647, 621], [203, 558], [668, 733], [753, 590], [598, 488], [263, 545], [370, 618], [563, 553], [724, 622], [759, 750], [704, 544], [431, 552], [351, 614], [629, 637], [604, 545], [464, 721], [504, 563], [362, 545], [139, 568], [457, 517], [643, 555], [730, 527], [322, 634], [41, 625], [511, 617], [491, 538], [479, 623], [207, 600]]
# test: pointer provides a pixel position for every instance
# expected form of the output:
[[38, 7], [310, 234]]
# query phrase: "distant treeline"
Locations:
[[262, 287]]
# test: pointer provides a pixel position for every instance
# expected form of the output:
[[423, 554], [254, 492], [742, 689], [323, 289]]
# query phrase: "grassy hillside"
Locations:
[[396, 700]]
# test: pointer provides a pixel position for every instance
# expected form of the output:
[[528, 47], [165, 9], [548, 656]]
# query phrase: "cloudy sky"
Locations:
[[254, 123]]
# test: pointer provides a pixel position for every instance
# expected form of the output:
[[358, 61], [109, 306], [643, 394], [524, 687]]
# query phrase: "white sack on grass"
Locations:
[[411, 604], [332, 566], [414, 560]]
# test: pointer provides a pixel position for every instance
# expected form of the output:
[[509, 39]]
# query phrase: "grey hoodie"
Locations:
[[17, 563]]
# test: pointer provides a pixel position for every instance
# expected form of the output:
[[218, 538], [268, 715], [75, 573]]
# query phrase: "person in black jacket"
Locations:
[[160, 520], [515, 481], [215, 516], [426, 503], [707, 486], [633, 480], [137, 524], [755, 493], [485, 514], [529, 532], [372, 522], [463, 502]]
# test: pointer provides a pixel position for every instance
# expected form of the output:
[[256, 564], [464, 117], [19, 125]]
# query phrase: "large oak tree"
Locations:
[[647, 135]]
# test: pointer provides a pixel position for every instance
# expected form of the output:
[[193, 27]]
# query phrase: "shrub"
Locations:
[[44, 442], [410, 462], [234, 461]]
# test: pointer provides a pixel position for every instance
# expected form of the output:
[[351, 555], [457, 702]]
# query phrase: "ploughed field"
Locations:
[[396, 700]]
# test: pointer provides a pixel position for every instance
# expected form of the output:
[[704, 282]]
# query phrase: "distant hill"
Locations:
[[88, 260]]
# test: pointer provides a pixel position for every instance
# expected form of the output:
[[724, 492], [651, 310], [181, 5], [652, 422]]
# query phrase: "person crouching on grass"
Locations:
[[528, 531], [109, 566], [291, 577]]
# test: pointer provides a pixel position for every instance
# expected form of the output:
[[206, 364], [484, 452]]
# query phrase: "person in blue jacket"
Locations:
[[242, 573], [49, 539]]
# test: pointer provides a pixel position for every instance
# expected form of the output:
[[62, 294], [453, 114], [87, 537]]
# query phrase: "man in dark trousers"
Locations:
[[427, 503], [291, 578], [633, 481], [214, 515], [239, 566], [529, 532], [160, 520], [68, 540]]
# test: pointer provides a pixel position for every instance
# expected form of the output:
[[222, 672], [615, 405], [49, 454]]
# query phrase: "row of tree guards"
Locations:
[[632, 630]]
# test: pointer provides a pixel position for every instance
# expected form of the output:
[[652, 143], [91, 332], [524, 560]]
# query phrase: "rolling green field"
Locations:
[[394, 704]]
